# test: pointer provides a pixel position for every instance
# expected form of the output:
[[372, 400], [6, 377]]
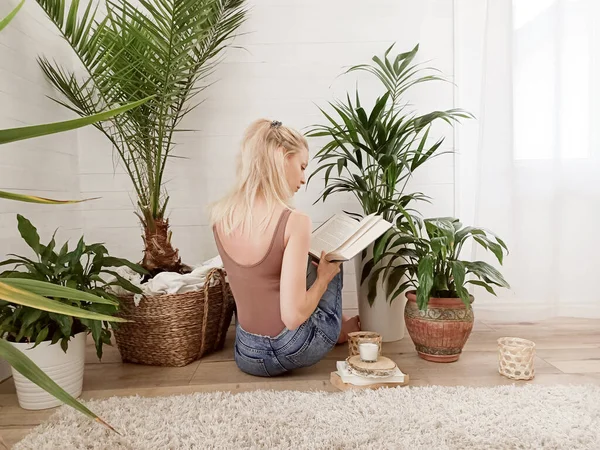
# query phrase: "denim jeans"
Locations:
[[266, 356]]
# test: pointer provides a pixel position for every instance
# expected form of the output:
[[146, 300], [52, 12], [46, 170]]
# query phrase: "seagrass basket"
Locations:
[[176, 329]]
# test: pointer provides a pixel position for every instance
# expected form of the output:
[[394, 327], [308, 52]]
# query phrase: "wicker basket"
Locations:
[[515, 358], [177, 329], [362, 336]]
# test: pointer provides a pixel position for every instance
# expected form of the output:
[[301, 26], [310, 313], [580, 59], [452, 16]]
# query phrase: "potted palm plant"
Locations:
[[439, 313], [56, 342], [39, 294], [373, 153], [164, 49]]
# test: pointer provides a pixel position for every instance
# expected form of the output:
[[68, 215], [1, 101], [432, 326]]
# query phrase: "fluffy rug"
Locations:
[[505, 417]]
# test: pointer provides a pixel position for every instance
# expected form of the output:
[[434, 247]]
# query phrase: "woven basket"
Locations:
[[177, 329], [362, 336], [515, 358]]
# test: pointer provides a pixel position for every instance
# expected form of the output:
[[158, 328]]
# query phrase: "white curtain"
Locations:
[[528, 167]]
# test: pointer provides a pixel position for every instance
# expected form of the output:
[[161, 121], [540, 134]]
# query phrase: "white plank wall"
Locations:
[[291, 53]]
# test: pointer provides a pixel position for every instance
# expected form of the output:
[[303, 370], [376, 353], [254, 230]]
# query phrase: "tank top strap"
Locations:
[[279, 235]]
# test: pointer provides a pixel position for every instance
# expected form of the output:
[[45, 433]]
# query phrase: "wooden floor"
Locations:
[[568, 351]]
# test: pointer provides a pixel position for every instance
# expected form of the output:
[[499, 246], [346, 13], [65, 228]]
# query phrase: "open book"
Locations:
[[342, 237]]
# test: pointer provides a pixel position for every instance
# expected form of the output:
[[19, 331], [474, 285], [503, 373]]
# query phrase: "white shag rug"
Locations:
[[504, 417]]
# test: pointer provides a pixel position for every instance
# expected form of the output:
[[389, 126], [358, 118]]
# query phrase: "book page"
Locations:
[[364, 225], [332, 234], [358, 243]]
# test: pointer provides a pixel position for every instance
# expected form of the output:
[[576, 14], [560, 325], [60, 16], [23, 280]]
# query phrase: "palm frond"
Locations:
[[164, 48]]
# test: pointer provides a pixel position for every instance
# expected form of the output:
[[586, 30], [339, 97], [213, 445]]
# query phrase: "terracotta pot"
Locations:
[[441, 331]]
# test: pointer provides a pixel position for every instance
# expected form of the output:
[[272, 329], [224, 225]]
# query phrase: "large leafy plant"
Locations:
[[141, 48], [39, 294], [429, 260], [82, 269], [372, 153]]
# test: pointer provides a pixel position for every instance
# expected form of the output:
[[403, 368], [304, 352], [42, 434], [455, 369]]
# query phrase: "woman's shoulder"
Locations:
[[299, 222]]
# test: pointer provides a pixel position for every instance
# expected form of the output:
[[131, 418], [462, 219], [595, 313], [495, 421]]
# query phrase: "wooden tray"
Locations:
[[336, 381]]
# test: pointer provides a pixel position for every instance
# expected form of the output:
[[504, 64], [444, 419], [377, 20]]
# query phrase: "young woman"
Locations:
[[289, 308]]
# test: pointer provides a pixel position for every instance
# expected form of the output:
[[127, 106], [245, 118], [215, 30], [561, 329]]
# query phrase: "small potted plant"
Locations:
[[53, 341], [439, 314]]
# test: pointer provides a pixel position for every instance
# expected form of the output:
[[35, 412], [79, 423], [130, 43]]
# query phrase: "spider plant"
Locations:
[[139, 48]]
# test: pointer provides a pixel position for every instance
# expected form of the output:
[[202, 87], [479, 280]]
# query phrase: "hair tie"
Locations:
[[275, 124]]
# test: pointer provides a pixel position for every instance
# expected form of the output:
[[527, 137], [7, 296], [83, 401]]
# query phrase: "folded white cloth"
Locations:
[[168, 282]]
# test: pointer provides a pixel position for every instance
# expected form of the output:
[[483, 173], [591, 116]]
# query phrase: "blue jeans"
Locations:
[[266, 356]]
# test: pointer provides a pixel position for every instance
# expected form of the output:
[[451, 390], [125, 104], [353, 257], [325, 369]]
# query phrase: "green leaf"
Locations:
[[75, 256], [54, 290], [486, 271], [43, 200], [124, 283], [47, 252], [425, 279], [438, 246], [372, 293], [25, 298], [31, 316], [341, 163], [366, 271], [380, 245], [484, 285], [11, 15], [110, 261], [458, 273], [29, 233], [378, 108], [18, 134], [42, 335], [392, 282]]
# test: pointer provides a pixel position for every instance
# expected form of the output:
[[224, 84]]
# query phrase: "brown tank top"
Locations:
[[255, 287]]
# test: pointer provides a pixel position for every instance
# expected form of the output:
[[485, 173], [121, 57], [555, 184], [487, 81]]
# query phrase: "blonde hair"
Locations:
[[260, 173]]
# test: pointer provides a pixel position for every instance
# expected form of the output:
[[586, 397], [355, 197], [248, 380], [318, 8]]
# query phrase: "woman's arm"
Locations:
[[297, 304]]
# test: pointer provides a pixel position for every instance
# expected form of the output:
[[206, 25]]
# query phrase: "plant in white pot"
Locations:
[[39, 294], [53, 341], [372, 154], [439, 313], [165, 49]]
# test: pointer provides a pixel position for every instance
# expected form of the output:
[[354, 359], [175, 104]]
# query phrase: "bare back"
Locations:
[[250, 248], [253, 262]]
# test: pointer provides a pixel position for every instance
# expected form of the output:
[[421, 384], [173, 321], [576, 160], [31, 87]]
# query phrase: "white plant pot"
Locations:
[[383, 318], [66, 369]]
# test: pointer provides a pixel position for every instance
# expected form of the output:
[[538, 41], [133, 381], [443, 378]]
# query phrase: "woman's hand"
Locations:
[[327, 270]]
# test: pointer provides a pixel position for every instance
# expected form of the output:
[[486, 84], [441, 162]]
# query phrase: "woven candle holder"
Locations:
[[515, 358], [356, 337]]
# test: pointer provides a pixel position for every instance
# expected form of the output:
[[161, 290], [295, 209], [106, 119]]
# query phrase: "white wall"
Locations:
[[292, 53]]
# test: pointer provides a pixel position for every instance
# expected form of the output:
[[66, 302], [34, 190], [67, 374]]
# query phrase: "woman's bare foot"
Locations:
[[348, 326]]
